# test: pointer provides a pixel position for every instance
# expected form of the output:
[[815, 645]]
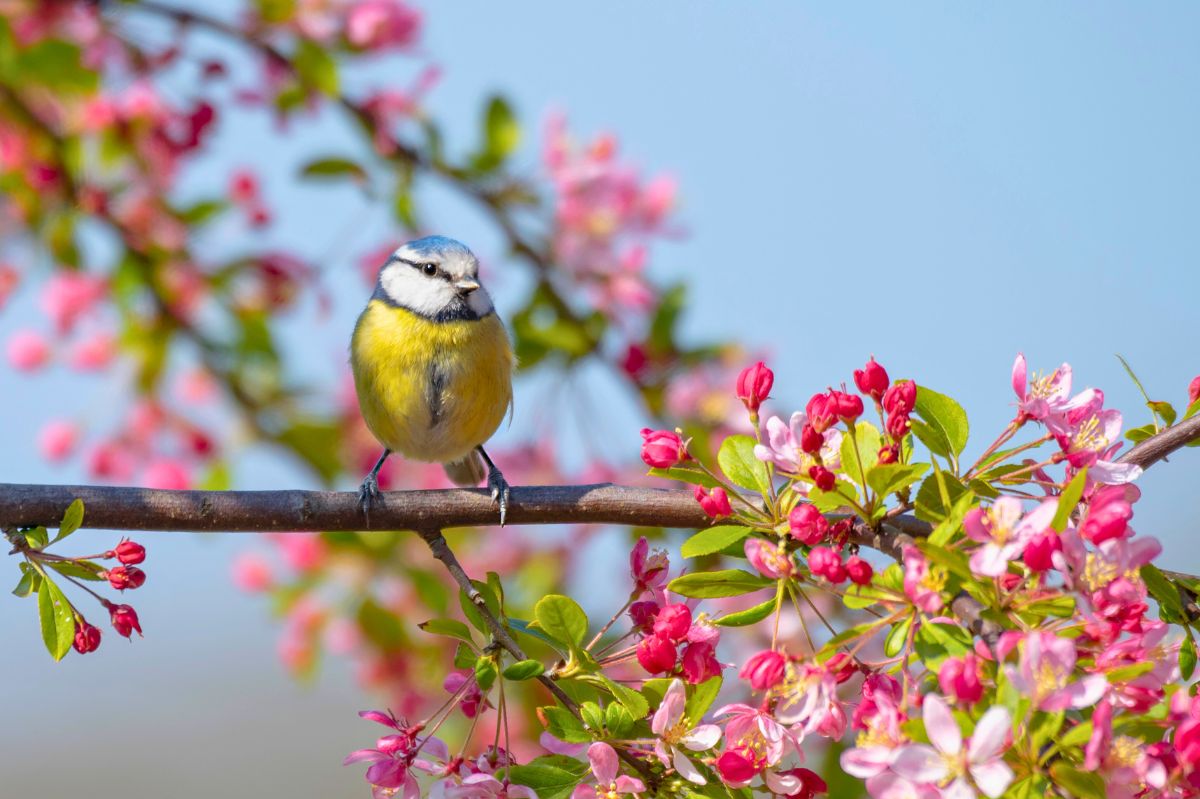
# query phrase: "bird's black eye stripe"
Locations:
[[428, 268]]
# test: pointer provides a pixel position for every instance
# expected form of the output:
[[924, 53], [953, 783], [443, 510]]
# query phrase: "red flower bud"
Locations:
[[129, 553], [807, 525], [871, 380], [841, 666], [673, 622], [960, 678], [124, 620], [662, 449], [738, 765], [656, 654], [822, 411], [635, 361], [901, 398], [123, 577], [754, 384], [1108, 520], [1039, 552], [897, 426], [849, 406], [859, 570], [824, 478], [889, 454], [824, 562], [1194, 390], [715, 504], [643, 615], [764, 670], [810, 440], [87, 637], [699, 663], [811, 783]]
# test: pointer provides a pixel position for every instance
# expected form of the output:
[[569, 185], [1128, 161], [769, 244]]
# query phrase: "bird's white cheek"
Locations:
[[415, 291]]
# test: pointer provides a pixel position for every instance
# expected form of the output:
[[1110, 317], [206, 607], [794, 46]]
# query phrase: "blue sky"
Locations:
[[940, 185]]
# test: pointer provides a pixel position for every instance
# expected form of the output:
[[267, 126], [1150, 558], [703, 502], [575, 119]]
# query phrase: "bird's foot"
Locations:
[[500, 491], [368, 493]]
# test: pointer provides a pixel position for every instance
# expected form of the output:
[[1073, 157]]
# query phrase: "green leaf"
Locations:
[[866, 444], [930, 505], [890, 478], [592, 715], [1139, 434], [685, 474], [858, 597], [934, 642], [54, 64], [549, 781], [617, 720], [37, 538], [1062, 607], [485, 673], [524, 670], [530, 629], [380, 626], [1068, 500], [932, 437], [713, 539], [1170, 606], [952, 523], [79, 569], [1192, 409], [945, 416], [1046, 727], [501, 135], [634, 702], [451, 628], [334, 168], [72, 519], [1187, 658], [562, 619], [1163, 409], [897, 637], [316, 67], [702, 698], [29, 582], [563, 725], [1078, 735], [464, 657], [57, 619], [741, 618], [319, 443], [709, 585], [736, 457], [1130, 672], [1080, 784], [1032, 787]]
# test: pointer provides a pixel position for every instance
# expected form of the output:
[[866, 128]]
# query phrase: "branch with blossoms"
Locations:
[[1059, 679]]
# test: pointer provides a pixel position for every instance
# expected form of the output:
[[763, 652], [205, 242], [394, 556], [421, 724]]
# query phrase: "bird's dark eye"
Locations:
[[429, 269]]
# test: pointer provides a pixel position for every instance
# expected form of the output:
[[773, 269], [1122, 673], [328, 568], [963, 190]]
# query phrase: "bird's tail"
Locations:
[[467, 472]]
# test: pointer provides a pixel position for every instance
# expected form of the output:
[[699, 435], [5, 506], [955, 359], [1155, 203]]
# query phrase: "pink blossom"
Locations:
[[764, 670], [69, 295], [609, 784], [166, 473], [807, 524], [715, 502], [381, 24], [771, 560], [675, 733], [1003, 533], [754, 740], [395, 756], [922, 584], [699, 663], [754, 385], [9, 277], [1089, 440], [485, 786], [783, 447], [662, 449], [1046, 667], [94, 352], [959, 677], [947, 765], [28, 350], [471, 699], [57, 439], [1049, 395], [806, 696], [648, 569], [1108, 513]]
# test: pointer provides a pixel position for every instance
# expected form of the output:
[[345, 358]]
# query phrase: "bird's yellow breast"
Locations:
[[432, 391]]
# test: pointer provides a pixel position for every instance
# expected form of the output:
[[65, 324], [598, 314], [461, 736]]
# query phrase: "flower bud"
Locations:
[[754, 385], [1194, 390], [672, 622], [643, 614], [714, 503], [824, 562], [822, 411], [810, 440], [699, 663], [656, 654], [764, 670], [807, 524], [901, 398], [859, 570], [824, 478], [959, 678], [810, 783], [124, 620], [849, 406], [87, 637], [871, 380], [125, 577], [737, 765], [842, 666], [1039, 552], [129, 553], [662, 449], [889, 454], [897, 426]]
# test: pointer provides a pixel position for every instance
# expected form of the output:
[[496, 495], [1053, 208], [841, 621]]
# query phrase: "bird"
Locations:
[[433, 366]]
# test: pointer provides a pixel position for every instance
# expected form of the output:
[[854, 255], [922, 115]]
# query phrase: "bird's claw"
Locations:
[[500, 491], [367, 494]]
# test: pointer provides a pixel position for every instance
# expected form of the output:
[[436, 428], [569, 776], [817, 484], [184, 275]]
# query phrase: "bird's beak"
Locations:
[[466, 286]]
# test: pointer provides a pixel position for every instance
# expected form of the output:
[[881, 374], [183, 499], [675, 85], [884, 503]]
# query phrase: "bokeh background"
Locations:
[[940, 186]]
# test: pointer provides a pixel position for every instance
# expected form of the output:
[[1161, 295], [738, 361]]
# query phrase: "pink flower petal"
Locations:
[[992, 777], [604, 762], [919, 763], [991, 734]]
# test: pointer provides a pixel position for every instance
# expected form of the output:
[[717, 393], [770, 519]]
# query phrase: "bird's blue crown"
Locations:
[[437, 245]]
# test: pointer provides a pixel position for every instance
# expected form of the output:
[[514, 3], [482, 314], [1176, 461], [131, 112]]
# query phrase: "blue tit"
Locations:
[[433, 365]]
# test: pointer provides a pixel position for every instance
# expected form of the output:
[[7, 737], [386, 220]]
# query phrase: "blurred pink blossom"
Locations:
[[57, 439], [28, 350]]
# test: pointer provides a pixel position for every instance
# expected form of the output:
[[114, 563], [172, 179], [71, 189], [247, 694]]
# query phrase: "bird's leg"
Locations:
[[497, 484], [369, 491]]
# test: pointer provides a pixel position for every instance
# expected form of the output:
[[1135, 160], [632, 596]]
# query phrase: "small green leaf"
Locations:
[[952, 523], [57, 619], [464, 657], [713, 539], [930, 505], [685, 474], [37, 538], [1081, 784], [617, 720], [79, 569], [380, 625], [1187, 658], [316, 67], [592, 715], [450, 628], [736, 457], [1163, 409], [28, 582], [562, 619], [862, 448], [894, 644], [709, 585], [890, 478], [72, 519], [945, 416], [741, 618], [1192, 409], [934, 642], [524, 670], [563, 725], [702, 698], [485, 673], [1068, 499], [334, 168], [1170, 606], [548, 776]]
